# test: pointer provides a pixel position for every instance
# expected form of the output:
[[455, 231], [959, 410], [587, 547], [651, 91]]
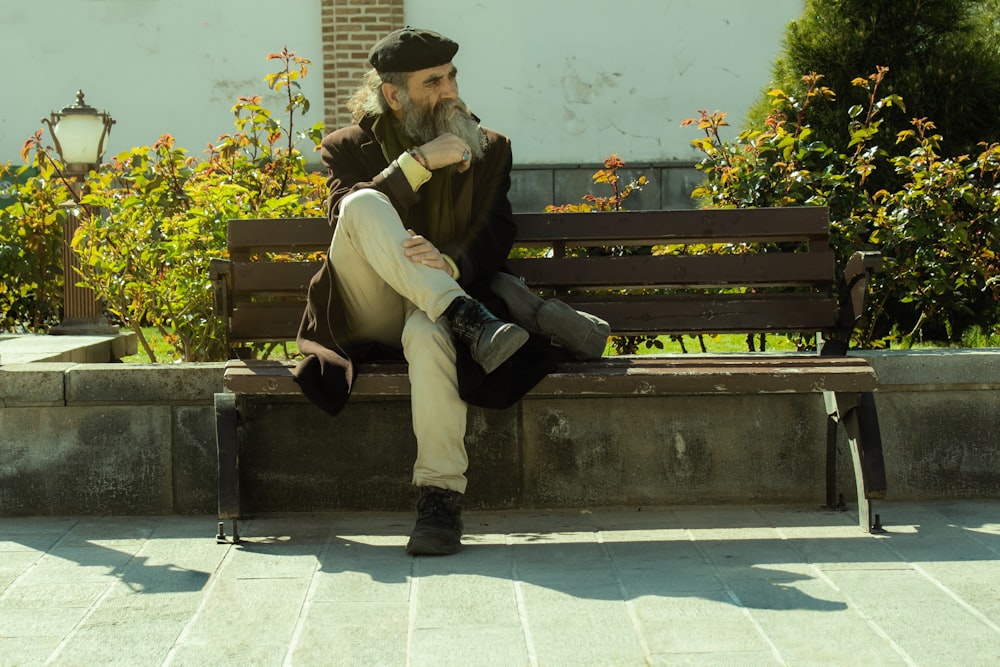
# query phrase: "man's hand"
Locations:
[[422, 251], [445, 151]]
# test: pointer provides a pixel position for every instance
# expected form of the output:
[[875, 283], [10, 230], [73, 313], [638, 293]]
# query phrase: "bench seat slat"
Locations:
[[692, 271], [640, 376]]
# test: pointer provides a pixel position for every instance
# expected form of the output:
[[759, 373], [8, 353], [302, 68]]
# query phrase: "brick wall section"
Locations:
[[350, 27]]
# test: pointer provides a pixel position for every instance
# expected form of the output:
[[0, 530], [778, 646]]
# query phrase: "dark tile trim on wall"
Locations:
[[533, 187]]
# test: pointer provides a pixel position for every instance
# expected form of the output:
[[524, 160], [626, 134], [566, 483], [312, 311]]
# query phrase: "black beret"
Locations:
[[411, 49]]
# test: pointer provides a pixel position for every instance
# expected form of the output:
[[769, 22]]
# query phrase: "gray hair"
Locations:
[[368, 100]]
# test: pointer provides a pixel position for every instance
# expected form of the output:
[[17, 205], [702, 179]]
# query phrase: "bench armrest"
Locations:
[[221, 277], [854, 292]]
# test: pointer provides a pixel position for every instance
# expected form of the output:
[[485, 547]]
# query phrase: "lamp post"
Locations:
[[79, 132]]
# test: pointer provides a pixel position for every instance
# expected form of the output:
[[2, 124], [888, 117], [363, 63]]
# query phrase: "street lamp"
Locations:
[[79, 132]]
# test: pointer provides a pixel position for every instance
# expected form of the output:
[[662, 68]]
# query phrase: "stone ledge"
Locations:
[[38, 384], [143, 383], [140, 438], [935, 369], [75, 349]]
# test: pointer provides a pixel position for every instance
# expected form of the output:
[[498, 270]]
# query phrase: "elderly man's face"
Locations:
[[430, 106], [427, 87]]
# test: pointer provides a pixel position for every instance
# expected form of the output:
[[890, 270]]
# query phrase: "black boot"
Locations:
[[492, 341], [439, 523], [583, 334]]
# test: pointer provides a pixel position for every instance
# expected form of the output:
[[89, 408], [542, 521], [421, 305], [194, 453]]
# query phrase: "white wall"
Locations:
[[157, 66], [570, 81], [575, 80]]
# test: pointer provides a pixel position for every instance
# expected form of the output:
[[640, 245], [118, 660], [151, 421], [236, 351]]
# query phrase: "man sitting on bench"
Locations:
[[422, 225]]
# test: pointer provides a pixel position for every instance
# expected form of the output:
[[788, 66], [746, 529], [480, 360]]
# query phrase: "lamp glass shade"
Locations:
[[80, 137]]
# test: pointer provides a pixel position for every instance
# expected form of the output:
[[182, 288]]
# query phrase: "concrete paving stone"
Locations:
[[275, 604], [353, 633], [140, 643], [587, 583], [925, 539], [791, 586], [747, 559], [645, 569], [720, 517], [467, 600], [111, 531], [975, 583], [285, 528], [598, 634], [974, 515], [898, 603], [375, 583], [116, 607], [271, 562], [715, 659], [14, 563], [481, 554], [787, 612], [33, 534], [682, 581], [228, 649], [847, 550], [39, 621], [78, 565], [22, 595], [711, 622], [26, 651], [464, 646]]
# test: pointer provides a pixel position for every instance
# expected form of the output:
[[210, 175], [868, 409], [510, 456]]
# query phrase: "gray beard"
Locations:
[[449, 116]]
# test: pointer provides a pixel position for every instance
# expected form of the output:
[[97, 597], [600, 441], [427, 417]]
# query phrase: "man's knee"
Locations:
[[364, 204], [423, 337]]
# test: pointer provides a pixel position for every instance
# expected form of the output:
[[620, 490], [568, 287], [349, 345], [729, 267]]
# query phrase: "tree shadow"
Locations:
[[104, 548]]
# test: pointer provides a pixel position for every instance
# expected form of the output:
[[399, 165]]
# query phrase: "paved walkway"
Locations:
[[714, 585], [32, 348]]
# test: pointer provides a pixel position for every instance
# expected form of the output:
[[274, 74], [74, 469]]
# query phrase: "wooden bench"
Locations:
[[775, 273]]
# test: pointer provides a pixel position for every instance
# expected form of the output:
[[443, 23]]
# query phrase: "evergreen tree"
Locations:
[[943, 58]]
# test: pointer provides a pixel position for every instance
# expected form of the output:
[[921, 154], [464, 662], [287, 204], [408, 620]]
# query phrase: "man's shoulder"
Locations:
[[496, 140], [344, 137]]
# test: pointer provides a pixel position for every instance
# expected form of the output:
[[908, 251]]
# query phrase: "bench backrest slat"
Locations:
[[787, 276], [245, 236], [663, 227], [256, 279], [714, 313], [691, 271]]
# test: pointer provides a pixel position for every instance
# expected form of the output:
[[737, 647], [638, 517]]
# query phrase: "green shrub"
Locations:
[[944, 56], [31, 227], [152, 219], [939, 232]]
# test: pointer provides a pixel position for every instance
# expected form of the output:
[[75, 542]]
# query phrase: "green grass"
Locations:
[[729, 343], [164, 352]]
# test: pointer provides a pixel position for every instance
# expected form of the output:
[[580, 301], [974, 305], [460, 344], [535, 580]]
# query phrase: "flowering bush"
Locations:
[[939, 233], [152, 218]]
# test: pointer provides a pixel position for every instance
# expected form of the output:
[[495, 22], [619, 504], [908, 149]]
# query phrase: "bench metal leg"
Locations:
[[859, 417], [228, 445]]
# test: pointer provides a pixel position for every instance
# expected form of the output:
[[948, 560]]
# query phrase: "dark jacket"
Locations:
[[482, 209]]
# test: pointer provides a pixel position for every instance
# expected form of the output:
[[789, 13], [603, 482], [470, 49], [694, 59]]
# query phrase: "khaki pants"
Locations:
[[392, 300]]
